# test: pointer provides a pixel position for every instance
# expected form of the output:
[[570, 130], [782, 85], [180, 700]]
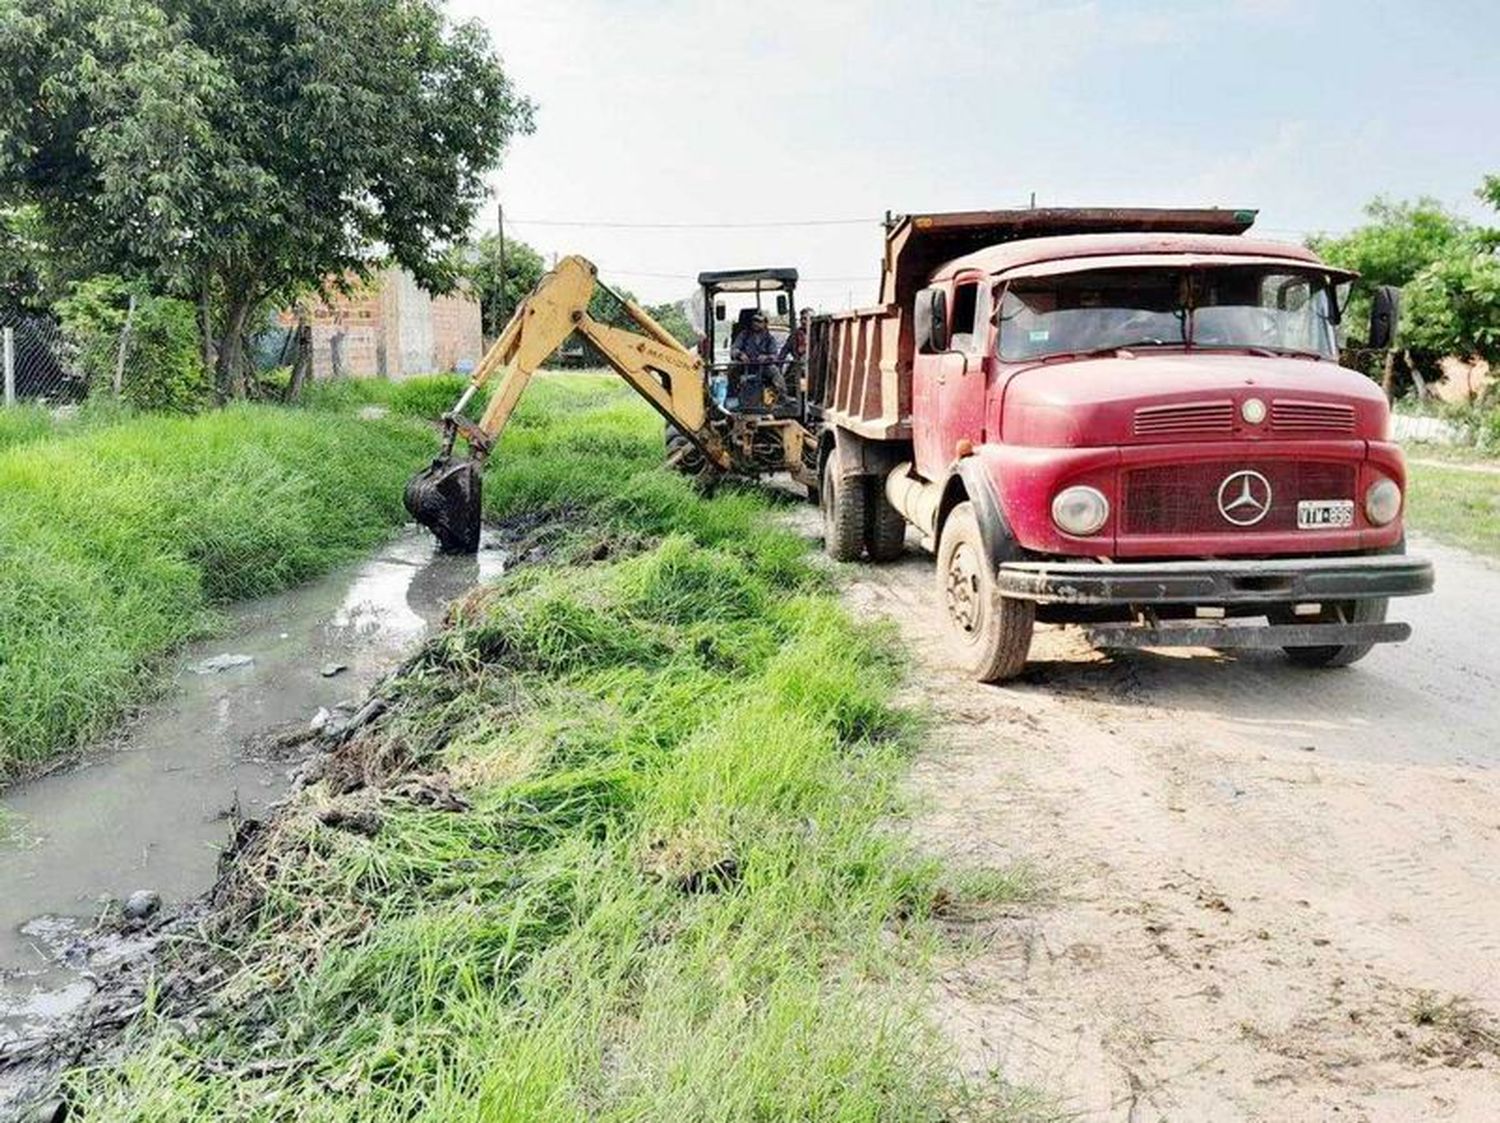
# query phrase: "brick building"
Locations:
[[390, 328]]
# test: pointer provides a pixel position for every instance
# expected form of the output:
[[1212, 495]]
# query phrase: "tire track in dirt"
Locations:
[[1272, 894]]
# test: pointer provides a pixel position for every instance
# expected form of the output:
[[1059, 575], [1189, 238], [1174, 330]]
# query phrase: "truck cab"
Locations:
[[1134, 421]]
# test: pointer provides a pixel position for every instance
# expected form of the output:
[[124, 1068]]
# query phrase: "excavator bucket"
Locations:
[[444, 497]]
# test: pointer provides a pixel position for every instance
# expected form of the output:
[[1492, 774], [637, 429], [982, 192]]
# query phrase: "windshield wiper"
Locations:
[[1262, 351], [1112, 349]]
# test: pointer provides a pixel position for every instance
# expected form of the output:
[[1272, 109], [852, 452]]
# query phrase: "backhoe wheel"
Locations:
[[843, 503], [989, 634], [885, 527]]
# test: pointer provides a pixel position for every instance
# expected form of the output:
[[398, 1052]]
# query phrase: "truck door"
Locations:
[[948, 373]]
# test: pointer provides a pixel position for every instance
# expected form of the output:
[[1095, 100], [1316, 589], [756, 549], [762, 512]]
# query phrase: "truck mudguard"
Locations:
[[968, 480]]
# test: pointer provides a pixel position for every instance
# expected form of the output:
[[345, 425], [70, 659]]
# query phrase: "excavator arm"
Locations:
[[445, 497]]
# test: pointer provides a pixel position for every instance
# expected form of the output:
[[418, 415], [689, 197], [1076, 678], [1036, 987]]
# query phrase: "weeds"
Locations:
[[117, 541], [662, 889]]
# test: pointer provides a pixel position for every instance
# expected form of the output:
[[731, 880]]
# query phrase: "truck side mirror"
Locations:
[[932, 321], [781, 304], [719, 312], [938, 332], [1385, 309]]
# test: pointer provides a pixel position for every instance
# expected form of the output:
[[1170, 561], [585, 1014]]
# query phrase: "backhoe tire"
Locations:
[[885, 529], [990, 635], [843, 502]]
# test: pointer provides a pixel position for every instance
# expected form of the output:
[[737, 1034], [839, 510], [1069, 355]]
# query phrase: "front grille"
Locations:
[[1290, 416], [1184, 498], [1192, 419]]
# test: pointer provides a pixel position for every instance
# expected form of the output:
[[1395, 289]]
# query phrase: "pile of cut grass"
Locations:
[[116, 542], [664, 892]]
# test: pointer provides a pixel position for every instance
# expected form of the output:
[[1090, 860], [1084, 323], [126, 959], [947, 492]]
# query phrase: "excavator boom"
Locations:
[[445, 497]]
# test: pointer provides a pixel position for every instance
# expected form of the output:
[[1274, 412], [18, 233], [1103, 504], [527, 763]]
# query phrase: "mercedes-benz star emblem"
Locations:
[[1245, 497]]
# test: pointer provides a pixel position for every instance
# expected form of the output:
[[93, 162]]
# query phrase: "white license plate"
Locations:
[[1320, 514]]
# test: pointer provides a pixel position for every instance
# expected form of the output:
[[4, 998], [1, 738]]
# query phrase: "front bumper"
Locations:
[[1269, 581]]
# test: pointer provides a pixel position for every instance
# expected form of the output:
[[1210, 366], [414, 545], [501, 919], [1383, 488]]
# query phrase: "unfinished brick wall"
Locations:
[[389, 328]]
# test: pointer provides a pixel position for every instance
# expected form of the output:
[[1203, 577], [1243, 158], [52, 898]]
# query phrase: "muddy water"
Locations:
[[149, 811]]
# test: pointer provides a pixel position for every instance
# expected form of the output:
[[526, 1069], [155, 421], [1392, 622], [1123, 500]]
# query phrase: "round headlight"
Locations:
[[1253, 410], [1382, 501], [1080, 510]]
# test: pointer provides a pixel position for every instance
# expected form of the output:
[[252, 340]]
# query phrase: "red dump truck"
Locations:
[[1131, 420]]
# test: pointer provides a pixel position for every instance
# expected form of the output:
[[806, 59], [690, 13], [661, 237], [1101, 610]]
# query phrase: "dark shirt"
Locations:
[[795, 345], [753, 346]]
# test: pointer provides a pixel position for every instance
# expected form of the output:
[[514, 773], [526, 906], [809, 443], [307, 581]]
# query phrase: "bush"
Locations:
[[432, 395], [163, 355], [163, 361]]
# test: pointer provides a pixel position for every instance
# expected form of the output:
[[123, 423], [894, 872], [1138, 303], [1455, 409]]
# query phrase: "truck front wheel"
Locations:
[[844, 511], [989, 634], [1370, 611]]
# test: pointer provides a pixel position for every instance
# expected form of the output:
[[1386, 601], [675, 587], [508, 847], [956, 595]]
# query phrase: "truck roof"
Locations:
[[748, 280], [1031, 251], [916, 244]]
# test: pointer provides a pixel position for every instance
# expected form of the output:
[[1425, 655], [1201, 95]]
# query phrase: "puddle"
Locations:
[[150, 813]]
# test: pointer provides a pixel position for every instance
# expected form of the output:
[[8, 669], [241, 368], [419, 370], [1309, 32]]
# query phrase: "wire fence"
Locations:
[[37, 363]]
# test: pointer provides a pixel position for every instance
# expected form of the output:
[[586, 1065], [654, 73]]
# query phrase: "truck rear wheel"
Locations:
[[885, 532], [844, 511], [1342, 612], [990, 634]]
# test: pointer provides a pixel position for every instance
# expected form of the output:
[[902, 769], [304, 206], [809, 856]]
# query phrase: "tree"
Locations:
[[242, 151], [675, 320], [1448, 272], [478, 262]]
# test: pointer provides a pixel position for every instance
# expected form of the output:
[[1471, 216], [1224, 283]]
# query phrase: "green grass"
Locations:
[[672, 893], [117, 541], [23, 423], [1456, 505]]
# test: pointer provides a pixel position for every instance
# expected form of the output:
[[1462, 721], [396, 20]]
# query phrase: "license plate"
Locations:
[[1320, 514]]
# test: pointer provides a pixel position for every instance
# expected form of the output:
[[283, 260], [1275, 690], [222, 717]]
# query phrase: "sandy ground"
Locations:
[[1267, 893]]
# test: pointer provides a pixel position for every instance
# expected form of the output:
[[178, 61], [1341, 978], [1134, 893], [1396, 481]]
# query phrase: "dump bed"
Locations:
[[859, 363]]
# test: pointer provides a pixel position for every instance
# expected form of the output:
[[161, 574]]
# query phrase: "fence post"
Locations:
[[124, 346], [10, 365]]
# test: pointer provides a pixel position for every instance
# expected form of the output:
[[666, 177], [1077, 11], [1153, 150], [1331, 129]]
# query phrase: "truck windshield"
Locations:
[[1232, 307]]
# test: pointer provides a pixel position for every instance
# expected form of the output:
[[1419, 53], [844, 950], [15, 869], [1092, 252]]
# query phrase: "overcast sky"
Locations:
[[705, 113]]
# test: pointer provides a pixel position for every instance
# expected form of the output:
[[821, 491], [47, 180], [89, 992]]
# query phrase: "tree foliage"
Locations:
[[1446, 267], [478, 262], [675, 320], [163, 363], [242, 151]]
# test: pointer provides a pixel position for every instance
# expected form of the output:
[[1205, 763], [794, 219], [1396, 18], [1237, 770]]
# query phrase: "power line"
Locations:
[[694, 225]]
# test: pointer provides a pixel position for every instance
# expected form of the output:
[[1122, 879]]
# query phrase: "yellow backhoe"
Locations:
[[445, 497]]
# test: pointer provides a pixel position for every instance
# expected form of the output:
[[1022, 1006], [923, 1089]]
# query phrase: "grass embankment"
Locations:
[[1460, 505], [614, 853], [116, 542]]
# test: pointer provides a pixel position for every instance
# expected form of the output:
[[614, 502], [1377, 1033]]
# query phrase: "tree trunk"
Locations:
[[1416, 376], [302, 359], [1388, 382], [206, 320], [229, 373]]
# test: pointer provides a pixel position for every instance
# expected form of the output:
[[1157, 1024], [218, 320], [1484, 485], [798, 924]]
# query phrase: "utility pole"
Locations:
[[500, 300]]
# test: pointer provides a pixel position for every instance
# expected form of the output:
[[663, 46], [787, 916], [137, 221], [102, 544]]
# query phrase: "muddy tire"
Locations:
[[989, 634], [1342, 612], [885, 529], [684, 456], [844, 511]]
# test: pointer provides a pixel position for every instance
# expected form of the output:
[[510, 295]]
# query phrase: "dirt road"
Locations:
[[1268, 893]]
